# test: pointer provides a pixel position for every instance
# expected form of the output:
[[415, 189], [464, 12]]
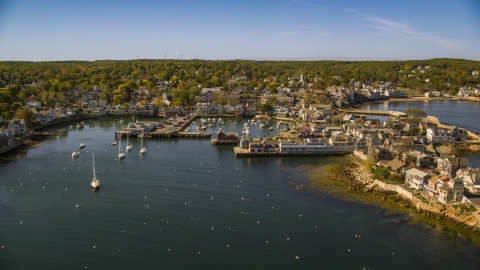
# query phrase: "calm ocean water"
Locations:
[[460, 113], [189, 205]]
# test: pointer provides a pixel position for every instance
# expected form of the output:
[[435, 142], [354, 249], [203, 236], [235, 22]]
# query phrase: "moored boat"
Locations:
[[121, 154], [95, 182]]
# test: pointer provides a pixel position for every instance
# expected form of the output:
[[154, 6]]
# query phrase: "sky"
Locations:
[[51, 30]]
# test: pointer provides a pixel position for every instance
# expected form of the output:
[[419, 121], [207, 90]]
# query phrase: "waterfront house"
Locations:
[[450, 165], [452, 192], [244, 143], [9, 133], [304, 146], [229, 109], [213, 109], [361, 144], [440, 135], [72, 111], [342, 143], [394, 93], [19, 126], [463, 92], [281, 111], [220, 109], [203, 108], [140, 127], [41, 118], [471, 178], [227, 136], [173, 112], [162, 111], [257, 146], [459, 133], [143, 111], [239, 109], [416, 178], [119, 109], [250, 111], [49, 115], [430, 189]]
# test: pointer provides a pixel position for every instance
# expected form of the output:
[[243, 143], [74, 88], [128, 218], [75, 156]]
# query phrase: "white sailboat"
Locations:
[[143, 149], [121, 154], [129, 144], [75, 154], [95, 182]]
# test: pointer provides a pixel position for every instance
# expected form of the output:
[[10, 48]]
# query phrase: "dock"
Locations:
[[223, 142]]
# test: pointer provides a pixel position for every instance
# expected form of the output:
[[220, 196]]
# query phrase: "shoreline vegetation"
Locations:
[[351, 182]]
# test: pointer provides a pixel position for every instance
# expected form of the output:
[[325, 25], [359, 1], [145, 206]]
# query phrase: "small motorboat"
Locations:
[[75, 153]]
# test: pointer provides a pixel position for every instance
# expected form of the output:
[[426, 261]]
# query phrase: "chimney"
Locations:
[[458, 165], [405, 161]]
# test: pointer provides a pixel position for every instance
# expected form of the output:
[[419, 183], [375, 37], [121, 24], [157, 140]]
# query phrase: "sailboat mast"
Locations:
[[93, 158]]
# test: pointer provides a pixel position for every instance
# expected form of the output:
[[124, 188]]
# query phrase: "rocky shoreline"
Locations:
[[353, 178]]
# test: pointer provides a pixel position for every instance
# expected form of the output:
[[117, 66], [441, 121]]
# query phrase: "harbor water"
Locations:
[[463, 114], [189, 205]]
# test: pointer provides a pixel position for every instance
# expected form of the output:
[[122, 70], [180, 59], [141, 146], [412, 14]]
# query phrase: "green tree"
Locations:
[[417, 113], [394, 178], [381, 173]]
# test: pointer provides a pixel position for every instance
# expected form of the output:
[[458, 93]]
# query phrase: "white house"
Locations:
[[416, 178], [34, 104], [304, 146], [440, 135]]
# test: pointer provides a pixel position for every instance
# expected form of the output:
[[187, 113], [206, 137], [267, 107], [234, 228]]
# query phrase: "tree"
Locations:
[[22, 113], [265, 107], [417, 113], [395, 178], [381, 173]]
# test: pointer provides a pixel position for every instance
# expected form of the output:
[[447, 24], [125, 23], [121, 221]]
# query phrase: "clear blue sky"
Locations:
[[247, 29]]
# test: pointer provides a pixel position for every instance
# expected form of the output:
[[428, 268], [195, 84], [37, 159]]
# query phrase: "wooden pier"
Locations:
[[194, 135], [223, 142]]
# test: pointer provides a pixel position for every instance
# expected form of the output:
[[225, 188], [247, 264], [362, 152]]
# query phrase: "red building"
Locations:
[[227, 136]]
